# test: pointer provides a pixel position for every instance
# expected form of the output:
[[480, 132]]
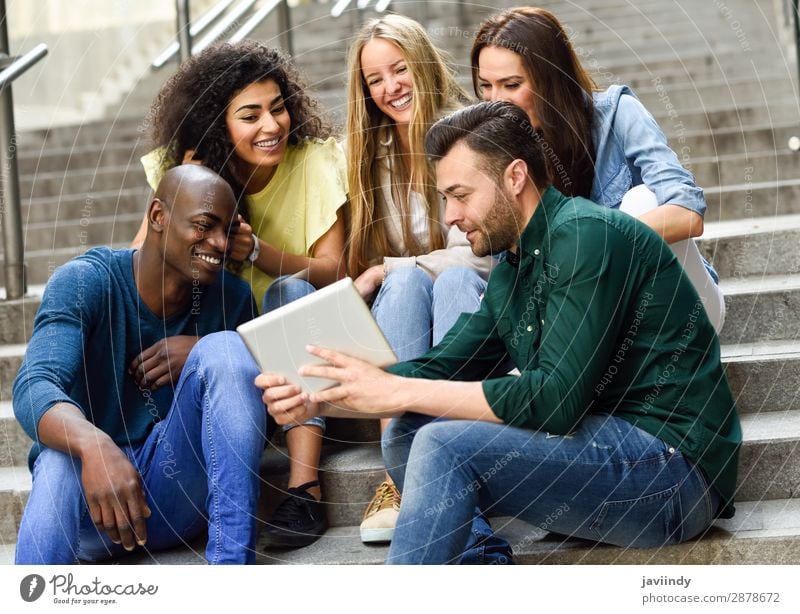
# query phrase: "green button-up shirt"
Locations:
[[599, 317]]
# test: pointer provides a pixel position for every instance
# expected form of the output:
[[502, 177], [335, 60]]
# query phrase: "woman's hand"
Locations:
[[363, 388], [369, 281], [285, 402], [241, 244]]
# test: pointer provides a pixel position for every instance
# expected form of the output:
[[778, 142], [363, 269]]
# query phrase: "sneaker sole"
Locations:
[[369, 536]]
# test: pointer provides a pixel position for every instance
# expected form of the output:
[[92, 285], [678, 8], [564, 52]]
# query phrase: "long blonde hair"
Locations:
[[435, 91]]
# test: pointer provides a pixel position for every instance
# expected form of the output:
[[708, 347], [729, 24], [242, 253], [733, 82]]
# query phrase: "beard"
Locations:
[[500, 229]]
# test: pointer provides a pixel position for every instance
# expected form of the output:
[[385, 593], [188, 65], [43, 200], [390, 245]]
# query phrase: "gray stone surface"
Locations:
[[751, 249], [43, 160], [763, 309], [16, 319], [735, 169], [83, 232], [81, 181], [763, 377], [48, 209]]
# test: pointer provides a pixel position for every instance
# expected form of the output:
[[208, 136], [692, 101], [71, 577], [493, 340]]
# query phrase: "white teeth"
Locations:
[[401, 102], [270, 143], [209, 259]]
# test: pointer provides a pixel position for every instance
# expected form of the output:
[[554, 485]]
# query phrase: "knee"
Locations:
[[455, 280], [638, 200], [59, 473], [437, 439], [284, 290], [223, 353], [408, 281]]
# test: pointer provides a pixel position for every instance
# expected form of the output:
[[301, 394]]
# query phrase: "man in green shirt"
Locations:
[[620, 427]]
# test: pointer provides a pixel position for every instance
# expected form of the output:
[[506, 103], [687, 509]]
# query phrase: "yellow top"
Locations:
[[297, 206]]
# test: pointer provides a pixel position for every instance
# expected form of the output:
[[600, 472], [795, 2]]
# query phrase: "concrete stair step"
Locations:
[[779, 111], [11, 355], [81, 181], [81, 157], [752, 247], [763, 375], [750, 199], [694, 95], [119, 129], [762, 532], [15, 485], [85, 233], [761, 309], [700, 67], [733, 140], [768, 165], [86, 205], [42, 263]]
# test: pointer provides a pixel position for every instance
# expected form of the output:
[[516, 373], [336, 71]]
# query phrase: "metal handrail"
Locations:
[[22, 64], [196, 28], [794, 141], [224, 24], [341, 5], [13, 247], [254, 20]]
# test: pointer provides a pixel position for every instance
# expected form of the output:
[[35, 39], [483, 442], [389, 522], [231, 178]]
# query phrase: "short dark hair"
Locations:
[[499, 131]]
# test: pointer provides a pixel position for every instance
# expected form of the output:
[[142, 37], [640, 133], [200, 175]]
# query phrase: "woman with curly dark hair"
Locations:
[[242, 111]]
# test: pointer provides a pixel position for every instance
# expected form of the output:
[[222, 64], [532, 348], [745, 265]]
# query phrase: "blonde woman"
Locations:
[[419, 272]]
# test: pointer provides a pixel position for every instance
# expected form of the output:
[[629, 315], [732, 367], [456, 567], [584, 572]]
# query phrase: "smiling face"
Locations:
[[476, 202], [196, 223], [388, 78], [503, 76], [258, 125]]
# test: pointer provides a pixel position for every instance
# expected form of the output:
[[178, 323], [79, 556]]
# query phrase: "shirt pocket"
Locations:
[[521, 336]]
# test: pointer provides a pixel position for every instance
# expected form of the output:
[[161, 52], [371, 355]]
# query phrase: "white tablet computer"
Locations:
[[335, 317]]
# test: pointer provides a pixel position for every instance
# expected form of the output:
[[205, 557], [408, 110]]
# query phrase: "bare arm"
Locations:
[[112, 486], [325, 265], [674, 223]]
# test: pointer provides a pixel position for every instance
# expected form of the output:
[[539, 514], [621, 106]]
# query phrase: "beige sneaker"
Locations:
[[381, 514]]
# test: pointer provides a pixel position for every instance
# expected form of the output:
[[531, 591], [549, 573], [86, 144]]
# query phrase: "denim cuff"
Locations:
[[315, 421]]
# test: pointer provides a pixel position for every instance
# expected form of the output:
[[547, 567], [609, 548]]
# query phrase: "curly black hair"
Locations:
[[189, 111]]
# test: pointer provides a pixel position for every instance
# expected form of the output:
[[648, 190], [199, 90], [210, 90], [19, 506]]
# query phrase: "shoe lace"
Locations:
[[386, 495], [293, 510]]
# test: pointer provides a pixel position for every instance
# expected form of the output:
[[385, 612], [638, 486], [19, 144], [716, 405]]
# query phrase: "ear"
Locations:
[[516, 176], [157, 215]]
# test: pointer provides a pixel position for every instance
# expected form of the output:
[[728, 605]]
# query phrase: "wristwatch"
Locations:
[[256, 249]]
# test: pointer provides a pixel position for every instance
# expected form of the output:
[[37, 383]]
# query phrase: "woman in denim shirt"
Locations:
[[601, 145]]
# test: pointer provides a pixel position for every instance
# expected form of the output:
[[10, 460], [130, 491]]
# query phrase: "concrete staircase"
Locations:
[[726, 97]]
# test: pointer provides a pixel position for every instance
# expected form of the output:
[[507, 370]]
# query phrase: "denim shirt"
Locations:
[[631, 150]]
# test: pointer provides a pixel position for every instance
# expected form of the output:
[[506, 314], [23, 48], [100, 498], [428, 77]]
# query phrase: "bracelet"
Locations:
[[256, 250]]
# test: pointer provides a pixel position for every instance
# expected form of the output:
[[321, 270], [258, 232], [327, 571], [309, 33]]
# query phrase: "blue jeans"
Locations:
[[608, 482], [483, 547], [281, 292], [414, 312], [199, 467]]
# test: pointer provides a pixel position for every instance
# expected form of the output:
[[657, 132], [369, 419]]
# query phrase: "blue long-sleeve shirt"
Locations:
[[91, 324]]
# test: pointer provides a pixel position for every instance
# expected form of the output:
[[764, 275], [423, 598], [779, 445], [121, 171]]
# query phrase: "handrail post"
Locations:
[[184, 35], [794, 141], [13, 250], [285, 26]]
